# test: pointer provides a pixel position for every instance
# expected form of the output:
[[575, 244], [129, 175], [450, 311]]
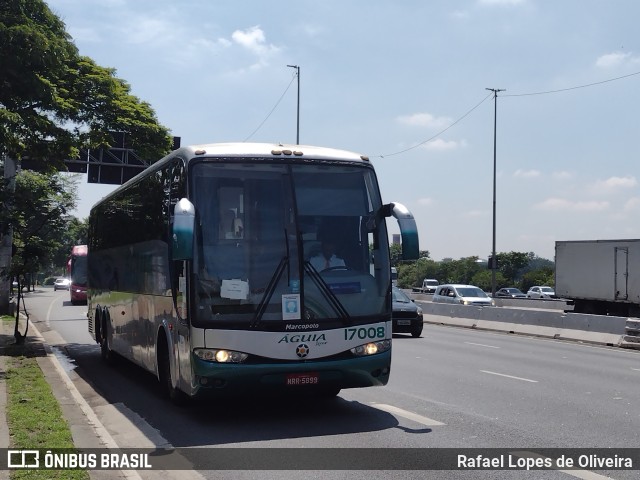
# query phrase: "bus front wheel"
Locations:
[[175, 395], [105, 349]]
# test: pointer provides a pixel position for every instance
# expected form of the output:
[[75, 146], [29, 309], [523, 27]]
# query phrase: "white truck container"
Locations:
[[601, 277]]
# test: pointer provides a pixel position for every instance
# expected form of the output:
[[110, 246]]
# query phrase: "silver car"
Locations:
[[463, 295], [541, 292]]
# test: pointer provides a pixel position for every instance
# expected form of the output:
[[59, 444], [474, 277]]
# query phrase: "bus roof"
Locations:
[[252, 150], [269, 150]]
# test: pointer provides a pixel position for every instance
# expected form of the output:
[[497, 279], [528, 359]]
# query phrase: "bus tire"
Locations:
[[105, 349], [175, 395]]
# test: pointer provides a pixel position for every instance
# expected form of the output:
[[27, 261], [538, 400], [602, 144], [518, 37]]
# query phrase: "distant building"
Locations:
[[396, 239]]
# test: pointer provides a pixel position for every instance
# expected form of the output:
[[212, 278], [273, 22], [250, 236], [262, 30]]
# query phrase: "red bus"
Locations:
[[77, 269]]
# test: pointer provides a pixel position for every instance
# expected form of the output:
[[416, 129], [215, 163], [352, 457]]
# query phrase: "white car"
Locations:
[[463, 295], [541, 292], [61, 284]]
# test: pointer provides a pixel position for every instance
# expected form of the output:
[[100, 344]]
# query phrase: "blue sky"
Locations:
[[404, 82]]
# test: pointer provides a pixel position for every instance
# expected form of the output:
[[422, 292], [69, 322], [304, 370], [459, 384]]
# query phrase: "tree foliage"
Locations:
[[515, 269], [53, 101], [39, 217], [395, 252]]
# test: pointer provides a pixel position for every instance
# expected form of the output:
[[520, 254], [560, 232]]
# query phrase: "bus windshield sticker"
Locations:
[[234, 289], [291, 306]]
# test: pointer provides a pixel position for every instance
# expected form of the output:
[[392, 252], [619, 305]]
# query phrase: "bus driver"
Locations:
[[327, 257]]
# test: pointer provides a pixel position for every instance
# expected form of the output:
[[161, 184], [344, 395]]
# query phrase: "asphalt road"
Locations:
[[451, 388]]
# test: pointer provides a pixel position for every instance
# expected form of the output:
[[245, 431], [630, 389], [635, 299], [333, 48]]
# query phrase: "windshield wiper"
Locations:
[[271, 287], [328, 293]]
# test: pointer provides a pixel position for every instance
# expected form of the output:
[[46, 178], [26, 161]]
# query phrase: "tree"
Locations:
[[54, 101], [37, 213], [542, 276], [395, 252], [483, 280], [512, 264]]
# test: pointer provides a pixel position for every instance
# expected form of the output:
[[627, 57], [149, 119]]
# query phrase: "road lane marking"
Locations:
[[48, 317], [509, 376], [636, 369], [409, 415], [481, 345], [583, 474]]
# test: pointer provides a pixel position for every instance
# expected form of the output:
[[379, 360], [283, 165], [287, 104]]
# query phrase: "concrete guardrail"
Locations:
[[600, 329]]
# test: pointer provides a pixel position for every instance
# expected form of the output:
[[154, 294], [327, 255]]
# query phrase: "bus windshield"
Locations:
[[301, 244]]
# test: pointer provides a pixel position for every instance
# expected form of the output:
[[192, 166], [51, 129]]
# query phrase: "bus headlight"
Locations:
[[371, 348], [220, 355]]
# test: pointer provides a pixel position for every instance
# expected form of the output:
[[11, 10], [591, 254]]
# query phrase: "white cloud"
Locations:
[[424, 120], [254, 40], [425, 202], [561, 205], [614, 183], [441, 145], [526, 173], [615, 59]]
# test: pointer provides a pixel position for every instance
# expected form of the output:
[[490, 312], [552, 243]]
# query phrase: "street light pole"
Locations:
[[298, 114], [494, 262]]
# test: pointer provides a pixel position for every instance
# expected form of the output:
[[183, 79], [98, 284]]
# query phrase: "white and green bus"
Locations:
[[200, 271]]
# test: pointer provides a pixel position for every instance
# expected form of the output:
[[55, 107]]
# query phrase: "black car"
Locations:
[[510, 293], [407, 316]]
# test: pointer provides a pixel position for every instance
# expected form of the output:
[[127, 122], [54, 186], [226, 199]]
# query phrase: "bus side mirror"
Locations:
[[184, 216], [408, 229]]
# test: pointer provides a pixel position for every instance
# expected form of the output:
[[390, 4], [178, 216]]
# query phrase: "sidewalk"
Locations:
[[86, 429]]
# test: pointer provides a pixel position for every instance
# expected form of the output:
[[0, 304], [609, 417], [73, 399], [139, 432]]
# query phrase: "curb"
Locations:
[[86, 429]]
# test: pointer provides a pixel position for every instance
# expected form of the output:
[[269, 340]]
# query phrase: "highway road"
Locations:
[[452, 388]]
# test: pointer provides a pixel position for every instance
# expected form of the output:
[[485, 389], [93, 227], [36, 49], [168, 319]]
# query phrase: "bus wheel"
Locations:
[[105, 350], [175, 395]]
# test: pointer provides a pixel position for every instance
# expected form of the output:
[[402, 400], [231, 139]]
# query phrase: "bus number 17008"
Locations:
[[364, 333]]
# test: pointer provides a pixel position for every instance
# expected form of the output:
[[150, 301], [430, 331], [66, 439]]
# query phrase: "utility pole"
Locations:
[[298, 115], [494, 260]]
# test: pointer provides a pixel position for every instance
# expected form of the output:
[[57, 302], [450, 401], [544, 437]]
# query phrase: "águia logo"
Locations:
[[302, 350], [315, 338]]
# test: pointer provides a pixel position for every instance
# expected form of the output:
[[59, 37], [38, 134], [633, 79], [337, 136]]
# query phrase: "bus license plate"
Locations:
[[298, 379]]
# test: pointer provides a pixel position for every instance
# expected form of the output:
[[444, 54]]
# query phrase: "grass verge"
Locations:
[[33, 414]]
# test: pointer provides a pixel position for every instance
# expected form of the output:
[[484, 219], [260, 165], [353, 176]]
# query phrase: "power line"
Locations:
[[271, 111], [506, 95], [437, 134], [571, 88]]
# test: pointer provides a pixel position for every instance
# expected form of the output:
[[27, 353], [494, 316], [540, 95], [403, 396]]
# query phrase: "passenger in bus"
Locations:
[[327, 257]]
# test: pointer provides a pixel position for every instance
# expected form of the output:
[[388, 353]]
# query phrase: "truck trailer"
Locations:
[[600, 277]]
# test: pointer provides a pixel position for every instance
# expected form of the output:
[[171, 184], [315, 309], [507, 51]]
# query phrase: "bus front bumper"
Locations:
[[219, 379]]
